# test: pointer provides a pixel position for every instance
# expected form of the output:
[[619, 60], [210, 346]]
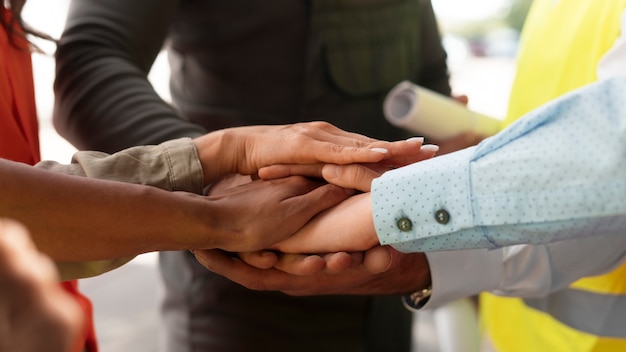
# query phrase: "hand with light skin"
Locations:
[[346, 227], [401, 152], [315, 236], [325, 234], [398, 154], [376, 270], [35, 313], [245, 150]]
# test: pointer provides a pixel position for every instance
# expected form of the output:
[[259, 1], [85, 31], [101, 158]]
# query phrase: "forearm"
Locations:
[[75, 218], [104, 100], [171, 166], [528, 184]]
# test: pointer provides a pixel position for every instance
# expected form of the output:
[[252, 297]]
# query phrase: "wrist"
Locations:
[[212, 155], [423, 288]]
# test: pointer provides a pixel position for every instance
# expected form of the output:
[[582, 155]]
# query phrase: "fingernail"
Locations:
[[380, 150], [416, 139], [266, 254], [331, 171], [430, 148]]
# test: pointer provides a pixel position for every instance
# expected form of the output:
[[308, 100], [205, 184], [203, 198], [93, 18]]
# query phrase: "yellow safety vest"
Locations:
[[561, 45]]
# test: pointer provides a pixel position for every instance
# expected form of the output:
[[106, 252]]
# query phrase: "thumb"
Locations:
[[377, 259]]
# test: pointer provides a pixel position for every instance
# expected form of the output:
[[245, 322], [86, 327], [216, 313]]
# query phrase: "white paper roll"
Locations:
[[434, 115]]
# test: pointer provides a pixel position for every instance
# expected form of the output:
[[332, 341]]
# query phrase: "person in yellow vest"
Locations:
[[556, 175], [565, 46]]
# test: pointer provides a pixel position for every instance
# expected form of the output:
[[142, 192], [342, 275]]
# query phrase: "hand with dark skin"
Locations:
[[127, 219], [401, 274], [257, 211], [308, 239], [113, 214], [368, 269], [35, 313]]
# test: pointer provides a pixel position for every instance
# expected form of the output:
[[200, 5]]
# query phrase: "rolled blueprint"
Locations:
[[434, 115]]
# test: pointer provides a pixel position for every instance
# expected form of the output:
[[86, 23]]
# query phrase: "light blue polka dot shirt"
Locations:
[[557, 173]]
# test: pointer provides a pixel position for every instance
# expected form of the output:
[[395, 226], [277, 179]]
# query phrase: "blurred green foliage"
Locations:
[[517, 13]]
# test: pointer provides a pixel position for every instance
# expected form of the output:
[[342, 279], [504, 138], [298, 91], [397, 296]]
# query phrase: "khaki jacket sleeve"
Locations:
[[172, 166]]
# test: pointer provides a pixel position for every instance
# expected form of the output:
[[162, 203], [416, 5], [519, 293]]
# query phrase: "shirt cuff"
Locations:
[[458, 274], [417, 207], [184, 165]]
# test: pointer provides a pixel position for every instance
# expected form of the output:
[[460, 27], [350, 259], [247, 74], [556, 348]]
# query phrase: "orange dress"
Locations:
[[19, 134]]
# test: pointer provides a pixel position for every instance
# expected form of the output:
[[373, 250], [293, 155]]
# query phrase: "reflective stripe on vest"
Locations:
[[562, 43], [577, 308]]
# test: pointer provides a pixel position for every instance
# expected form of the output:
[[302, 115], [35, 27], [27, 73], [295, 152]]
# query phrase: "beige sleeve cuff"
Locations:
[[173, 166]]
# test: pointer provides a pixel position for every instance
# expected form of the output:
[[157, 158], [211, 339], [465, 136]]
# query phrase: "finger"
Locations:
[[329, 144], [353, 176], [406, 152], [462, 99], [378, 259], [300, 264], [401, 148], [294, 186], [341, 154], [319, 199], [280, 171], [232, 268], [222, 263], [259, 259], [338, 262], [228, 182], [337, 135], [248, 276]]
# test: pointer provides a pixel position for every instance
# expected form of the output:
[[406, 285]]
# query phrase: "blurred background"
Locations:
[[481, 41]]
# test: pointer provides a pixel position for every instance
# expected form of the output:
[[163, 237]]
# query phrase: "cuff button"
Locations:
[[442, 216], [404, 224]]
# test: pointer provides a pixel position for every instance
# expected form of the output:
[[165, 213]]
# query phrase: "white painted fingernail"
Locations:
[[380, 150], [416, 139], [430, 148]]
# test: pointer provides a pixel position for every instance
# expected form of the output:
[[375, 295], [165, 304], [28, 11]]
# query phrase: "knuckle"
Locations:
[[323, 125], [337, 148]]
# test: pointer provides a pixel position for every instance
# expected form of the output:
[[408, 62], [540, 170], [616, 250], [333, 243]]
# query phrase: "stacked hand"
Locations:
[[349, 259], [245, 150], [283, 160]]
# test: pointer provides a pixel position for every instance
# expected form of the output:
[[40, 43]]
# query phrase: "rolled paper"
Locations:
[[433, 115]]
